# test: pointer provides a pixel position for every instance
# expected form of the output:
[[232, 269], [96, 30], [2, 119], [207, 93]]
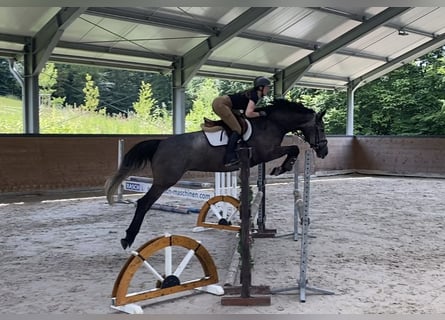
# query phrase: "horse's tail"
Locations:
[[135, 159]]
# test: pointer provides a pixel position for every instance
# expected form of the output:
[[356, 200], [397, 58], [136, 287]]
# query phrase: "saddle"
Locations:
[[218, 125]]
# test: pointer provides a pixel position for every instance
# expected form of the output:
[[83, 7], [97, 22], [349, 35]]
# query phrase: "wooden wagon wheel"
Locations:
[[218, 213], [165, 281]]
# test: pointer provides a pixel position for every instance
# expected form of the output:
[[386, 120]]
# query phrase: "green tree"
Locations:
[[146, 103], [71, 81], [202, 105], [47, 83], [400, 102], [91, 91], [120, 88], [228, 86], [48, 78], [334, 102], [162, 89]]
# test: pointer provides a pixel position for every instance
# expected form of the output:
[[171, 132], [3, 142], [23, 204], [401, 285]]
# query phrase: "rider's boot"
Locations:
[[231, 157]]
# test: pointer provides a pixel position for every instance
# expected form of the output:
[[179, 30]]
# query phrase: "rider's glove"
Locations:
[[262, 113]]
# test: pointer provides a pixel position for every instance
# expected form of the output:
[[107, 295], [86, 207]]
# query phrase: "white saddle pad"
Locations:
[[220, 138]]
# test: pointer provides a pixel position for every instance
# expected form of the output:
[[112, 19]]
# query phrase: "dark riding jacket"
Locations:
[[240, 100]]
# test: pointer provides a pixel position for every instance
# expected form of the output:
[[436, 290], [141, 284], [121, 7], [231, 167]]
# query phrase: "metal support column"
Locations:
[[350, 115], [178, 110], [31, 91]]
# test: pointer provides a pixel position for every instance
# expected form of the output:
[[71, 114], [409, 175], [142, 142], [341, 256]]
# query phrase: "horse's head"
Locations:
[[292, 116], [315, 136]]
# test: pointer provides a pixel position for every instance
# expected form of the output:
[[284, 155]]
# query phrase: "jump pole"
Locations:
[[246, 288], [262, 231], [305, 221]]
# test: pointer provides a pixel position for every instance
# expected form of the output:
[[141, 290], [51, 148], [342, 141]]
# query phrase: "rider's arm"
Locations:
[[250, 110]]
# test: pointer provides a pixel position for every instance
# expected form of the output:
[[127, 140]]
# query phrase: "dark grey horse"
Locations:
[[172, 157]]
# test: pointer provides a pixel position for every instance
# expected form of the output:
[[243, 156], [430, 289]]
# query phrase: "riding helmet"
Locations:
[[261, 82]]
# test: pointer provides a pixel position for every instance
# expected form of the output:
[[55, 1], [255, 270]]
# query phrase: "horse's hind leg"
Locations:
[[143, 205]]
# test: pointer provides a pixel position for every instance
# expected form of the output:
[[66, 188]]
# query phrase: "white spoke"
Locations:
[[149, 267], [229, 218], [215, 211], [184, 263], [224, 209], [168, 261]]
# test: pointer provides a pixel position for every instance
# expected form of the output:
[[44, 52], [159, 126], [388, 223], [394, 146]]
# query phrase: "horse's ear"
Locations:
[[322, 113]]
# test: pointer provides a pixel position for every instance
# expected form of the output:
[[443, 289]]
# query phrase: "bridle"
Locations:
[[316, 143]]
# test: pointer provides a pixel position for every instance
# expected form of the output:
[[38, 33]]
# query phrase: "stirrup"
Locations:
[[231, 162]]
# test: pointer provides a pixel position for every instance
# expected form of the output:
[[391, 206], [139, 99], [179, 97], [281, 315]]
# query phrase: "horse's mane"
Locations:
[[283, 104]]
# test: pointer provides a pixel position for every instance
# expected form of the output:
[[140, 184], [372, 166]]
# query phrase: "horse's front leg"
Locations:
[[292, 153], [143, 205]]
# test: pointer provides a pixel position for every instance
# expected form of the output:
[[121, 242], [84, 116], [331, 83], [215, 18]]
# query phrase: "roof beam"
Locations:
[[151, 18], [108, 63], [10, 53], [362, 19], [156, 56], [47, 38], [190, 62], [12, 38], [326, 76], [240, 66], [223, 75], [173, 22], [287, 77], [399, 61], [337, 12], [270, 70], [114, 50], [164, 57], [316, 85], [305, 44]]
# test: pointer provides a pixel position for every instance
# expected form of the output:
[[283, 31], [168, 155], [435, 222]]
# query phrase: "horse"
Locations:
[[171, 157]]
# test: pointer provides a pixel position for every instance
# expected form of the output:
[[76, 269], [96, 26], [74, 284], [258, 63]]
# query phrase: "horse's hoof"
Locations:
[[286, 168], [124, 243], [275, 171]]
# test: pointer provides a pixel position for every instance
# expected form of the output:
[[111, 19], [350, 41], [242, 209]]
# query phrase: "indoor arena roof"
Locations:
[[321, 47]]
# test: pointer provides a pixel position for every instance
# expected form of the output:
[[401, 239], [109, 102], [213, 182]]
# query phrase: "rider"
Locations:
[[246, 101]]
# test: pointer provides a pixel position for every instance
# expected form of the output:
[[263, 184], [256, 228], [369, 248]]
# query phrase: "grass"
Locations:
[[10, 115], [69, 120]]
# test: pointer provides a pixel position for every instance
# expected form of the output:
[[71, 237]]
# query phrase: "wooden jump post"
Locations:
[[246, 289]]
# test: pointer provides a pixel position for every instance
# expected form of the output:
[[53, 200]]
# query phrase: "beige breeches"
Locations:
[[222, 106]]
